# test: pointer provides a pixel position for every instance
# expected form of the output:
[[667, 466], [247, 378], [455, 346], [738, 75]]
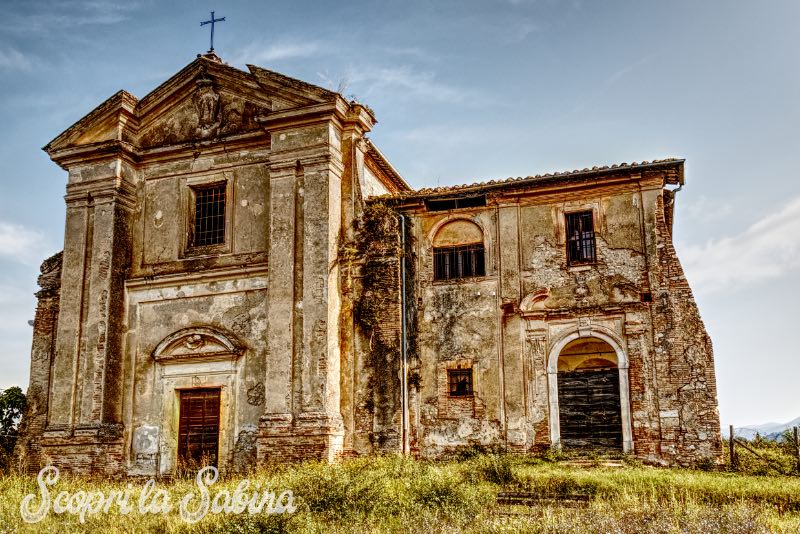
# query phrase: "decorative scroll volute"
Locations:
[[196, 343]]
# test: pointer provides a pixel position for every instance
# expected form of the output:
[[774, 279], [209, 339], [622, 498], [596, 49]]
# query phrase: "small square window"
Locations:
[[580, 238], [460, 382], [209, 216]]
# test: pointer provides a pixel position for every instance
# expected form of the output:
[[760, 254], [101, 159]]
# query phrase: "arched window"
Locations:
[[458, 251]]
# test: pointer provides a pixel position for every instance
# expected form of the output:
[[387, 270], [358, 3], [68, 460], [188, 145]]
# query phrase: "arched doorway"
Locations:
[[589, 398]]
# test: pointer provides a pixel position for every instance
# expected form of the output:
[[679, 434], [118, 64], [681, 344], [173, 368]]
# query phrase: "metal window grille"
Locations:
[[209, 216], [455, 203], [462, 261], [580, 238], [460, 382]]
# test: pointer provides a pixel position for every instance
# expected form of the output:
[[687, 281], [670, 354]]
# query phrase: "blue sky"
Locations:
[[467, 91]]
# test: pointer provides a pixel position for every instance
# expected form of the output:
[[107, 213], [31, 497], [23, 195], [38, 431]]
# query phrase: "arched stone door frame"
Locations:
[[624, 384]]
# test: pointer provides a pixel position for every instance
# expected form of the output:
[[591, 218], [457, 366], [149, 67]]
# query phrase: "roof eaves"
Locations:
[[389, 169], [321, 91], [527, 180]]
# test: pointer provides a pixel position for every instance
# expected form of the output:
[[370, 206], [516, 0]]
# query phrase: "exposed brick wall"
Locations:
[[28, 448], [378, 317], [644, 408], [284, 439], [690, 428], [459, 408], [89, 455]]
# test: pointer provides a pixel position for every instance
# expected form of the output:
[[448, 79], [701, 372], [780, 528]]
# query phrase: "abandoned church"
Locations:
[[246, 279]]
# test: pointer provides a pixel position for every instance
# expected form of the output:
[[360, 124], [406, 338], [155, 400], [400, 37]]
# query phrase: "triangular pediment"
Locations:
[[206, 100], [113, 120]]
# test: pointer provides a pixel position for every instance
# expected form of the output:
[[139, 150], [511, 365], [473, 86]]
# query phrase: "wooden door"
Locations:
[[198, 431], [589, 409]]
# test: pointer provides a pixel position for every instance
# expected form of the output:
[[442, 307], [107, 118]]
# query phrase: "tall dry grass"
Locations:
[[392, 494]]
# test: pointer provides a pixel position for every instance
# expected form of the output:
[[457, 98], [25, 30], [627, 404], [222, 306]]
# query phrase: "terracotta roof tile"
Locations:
[[433, 191]]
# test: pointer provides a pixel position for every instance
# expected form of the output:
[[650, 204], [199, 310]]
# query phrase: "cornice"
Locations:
[[335, 109], [67, 157]]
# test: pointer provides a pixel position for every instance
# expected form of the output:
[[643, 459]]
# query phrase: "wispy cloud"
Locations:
[[701, 209], [768, 249], [524, 29], [21, 244], [13, 59], [44, 16], [596, 91], [259, 53], [367, 80], [443, 135], [17, 307], [414, 52]]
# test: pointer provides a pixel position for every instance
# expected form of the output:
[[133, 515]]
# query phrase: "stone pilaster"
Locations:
[[535, 379], [302, 416], [643, 389], [84, 423]]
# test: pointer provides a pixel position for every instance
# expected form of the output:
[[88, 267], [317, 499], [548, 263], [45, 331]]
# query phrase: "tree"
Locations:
[[12, 404]]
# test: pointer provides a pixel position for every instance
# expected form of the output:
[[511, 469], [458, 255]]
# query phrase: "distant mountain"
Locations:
[[766, 430]]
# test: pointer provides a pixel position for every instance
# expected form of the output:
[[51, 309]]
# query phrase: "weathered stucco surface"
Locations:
[[297, 315], [510, 325]]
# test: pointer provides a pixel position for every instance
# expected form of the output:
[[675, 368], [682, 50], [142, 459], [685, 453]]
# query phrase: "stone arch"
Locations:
[[461, 235], [456, 231], [603, 334]]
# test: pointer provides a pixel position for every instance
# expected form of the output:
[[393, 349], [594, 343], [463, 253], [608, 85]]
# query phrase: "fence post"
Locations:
[[797, 450], [731, 445]]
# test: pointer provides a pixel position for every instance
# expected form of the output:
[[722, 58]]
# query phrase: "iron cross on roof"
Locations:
[[212, 21]]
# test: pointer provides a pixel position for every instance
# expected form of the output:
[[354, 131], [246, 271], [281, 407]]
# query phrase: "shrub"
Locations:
[[337, 491], [496, 468]]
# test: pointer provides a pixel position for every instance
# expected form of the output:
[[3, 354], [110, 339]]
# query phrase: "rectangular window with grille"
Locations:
[[209, 216], [460, 382], [464, 261], [580, 238]]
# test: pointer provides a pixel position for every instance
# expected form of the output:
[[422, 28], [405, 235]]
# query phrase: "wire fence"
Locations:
[[736, 446]]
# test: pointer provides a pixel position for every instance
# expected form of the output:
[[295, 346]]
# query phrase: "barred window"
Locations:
[[463, 261], [460, 382], [580, 238], [209, 215]]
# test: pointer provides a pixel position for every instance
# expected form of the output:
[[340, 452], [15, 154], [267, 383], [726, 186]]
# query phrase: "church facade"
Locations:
[[246, 279]]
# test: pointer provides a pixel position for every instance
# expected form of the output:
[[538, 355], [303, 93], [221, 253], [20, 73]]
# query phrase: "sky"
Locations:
[[466, 91]]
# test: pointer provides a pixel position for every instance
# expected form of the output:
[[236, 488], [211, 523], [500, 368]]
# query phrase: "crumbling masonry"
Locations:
[[335, 311]]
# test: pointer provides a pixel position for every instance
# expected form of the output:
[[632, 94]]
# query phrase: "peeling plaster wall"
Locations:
[[509, 324], [270, 316], [234, 307], [131, 279], [371, 186]]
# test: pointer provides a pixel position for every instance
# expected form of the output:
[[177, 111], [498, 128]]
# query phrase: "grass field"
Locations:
[[391, 494]]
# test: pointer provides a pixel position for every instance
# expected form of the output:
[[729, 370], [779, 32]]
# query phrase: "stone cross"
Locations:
[[212, 21]]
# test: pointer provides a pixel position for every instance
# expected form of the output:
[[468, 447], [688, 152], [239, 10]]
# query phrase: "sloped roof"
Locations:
[[455, 190], [388, 168]]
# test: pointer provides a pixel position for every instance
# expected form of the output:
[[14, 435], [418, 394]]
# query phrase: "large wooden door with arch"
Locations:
[[198, 429], [590, 412]]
